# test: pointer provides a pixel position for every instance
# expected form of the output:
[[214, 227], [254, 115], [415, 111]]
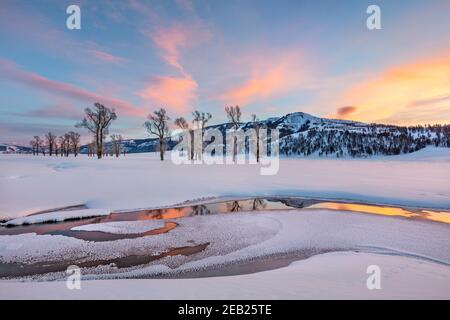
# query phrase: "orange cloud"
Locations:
[[411, 93], [342, 112], [268, 78], [176, 94]]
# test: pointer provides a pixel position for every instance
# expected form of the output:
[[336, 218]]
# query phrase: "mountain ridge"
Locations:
[[302, 134]]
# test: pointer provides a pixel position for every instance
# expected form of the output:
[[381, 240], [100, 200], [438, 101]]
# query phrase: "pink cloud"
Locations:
[[176, 94], [267, 77], [171, 41], [9, 70], [105, 56]]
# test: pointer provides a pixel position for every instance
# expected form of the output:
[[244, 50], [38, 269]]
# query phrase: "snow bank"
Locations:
[[339, 275], [57, 216], [141, 180], [122, 227]]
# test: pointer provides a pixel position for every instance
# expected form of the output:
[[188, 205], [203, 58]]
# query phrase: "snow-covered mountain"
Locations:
[[302, 134], [9, 148]]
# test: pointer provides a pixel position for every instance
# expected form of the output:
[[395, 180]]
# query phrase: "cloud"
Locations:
[[409, 93], [172, 40], [343, 112], [267, 78], [9, 70], [105, 56], [174, 93], [61, 110]]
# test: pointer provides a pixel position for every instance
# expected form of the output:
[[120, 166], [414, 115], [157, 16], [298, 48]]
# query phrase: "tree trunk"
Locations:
[[161, 149], [234, 148], [257, 147]]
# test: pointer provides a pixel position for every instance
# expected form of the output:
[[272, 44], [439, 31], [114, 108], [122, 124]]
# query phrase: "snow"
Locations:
[[338, 275], [122, 227], [57, 216], [242, 237], [414, 255], [142, 181]]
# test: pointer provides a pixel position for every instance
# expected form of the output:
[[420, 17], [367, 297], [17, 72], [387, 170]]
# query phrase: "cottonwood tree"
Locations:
[[184, 125], [201, 118], [181, 123], [97, 121], [51, 139], [39, 145], [257, 125], [74, 140], [62, 145], [234, 117], [157, 125], [117, 143], [33, 147], [67, 142], [91, 149]]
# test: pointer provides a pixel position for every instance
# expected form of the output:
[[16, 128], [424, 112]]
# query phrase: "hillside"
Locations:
[[302, 134]]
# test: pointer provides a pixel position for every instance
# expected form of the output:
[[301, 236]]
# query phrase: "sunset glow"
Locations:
[[137, 56]]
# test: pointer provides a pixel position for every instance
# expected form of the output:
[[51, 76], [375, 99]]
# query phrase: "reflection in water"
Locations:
[[234, 206], [440, 216], [256, 204], [249, 205], [386, 211]]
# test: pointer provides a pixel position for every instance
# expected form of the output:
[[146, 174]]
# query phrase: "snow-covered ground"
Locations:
[[413, 255], [337, 275], [30, 184]]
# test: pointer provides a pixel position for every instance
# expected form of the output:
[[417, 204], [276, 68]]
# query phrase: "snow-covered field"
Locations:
[[337, 275], [413, 255], [30, 184]]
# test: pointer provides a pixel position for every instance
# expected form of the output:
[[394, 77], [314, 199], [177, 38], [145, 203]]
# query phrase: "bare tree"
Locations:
[[33, 147], [91, 149], [257, 125], [39, 145], [157, 125], [234, 116], [55, 146], [181, 123], [51, 140], [67, 143], [97, 121], [201, 118], [117, 143], [184, 125], [74, 140], [62, 145]]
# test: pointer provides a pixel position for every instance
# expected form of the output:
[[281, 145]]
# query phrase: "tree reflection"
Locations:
[[200, 210], [258, 204]]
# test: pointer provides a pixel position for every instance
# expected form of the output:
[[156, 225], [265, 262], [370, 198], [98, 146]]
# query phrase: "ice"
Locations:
[[122, 227], [57, 216]]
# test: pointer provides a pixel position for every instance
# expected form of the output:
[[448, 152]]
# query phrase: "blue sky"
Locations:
[[269, 57]]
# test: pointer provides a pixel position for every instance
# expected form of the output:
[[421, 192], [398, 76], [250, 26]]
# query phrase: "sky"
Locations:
[[269, 57]]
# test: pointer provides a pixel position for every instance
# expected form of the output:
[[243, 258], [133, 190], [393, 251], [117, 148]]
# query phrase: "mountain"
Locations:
[[307, 135], [9, 148], [302, 134]]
